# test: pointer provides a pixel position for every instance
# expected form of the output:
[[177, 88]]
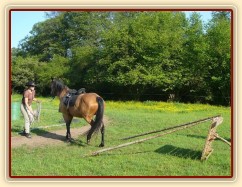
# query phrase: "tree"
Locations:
[[57, 68], [22, 71], [195, 62], [132, 54], [219, 62], [139, 56]]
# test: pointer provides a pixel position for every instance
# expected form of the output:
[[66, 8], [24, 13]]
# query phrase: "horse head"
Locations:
[[56, 87]]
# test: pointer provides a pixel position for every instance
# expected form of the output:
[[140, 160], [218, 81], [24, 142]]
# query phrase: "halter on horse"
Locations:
[[86, 106]]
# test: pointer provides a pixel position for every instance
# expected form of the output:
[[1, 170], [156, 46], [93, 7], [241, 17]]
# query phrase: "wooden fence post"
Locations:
[[212, 135]]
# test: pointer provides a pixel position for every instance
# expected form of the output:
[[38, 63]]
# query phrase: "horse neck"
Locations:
[[63, 93]]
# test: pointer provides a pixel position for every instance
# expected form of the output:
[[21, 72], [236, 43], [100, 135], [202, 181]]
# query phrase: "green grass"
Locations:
[[176, 154]]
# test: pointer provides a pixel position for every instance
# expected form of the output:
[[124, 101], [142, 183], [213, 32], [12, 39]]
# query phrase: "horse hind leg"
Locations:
[[98, 123], [102, 133], [90, 132]]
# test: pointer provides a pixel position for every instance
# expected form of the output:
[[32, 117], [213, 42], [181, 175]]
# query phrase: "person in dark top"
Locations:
[[26, 109]]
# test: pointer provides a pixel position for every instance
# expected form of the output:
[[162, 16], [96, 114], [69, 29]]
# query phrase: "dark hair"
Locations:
[[56, 87]]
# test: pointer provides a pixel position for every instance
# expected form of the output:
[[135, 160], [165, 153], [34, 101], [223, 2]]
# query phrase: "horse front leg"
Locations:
[[68, 131], [68, 120]]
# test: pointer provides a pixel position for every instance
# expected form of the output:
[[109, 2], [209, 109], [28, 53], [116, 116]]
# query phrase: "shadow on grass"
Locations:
[[167, 149], [197, 136], [16, 129], [48, 134], [179, 152]]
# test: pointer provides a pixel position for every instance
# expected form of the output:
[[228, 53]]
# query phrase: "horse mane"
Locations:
[[58, 85]]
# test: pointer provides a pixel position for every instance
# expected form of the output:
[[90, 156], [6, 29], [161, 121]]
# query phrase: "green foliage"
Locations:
[[22, 71], [57, 68], [195, 60], [134, 54], [219, 50]]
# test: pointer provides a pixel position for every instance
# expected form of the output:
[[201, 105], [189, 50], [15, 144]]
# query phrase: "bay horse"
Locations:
[[86, 106]]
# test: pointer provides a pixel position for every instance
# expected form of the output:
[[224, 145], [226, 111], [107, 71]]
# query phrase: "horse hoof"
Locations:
[[68, 137], [68, 140], [101, 145]]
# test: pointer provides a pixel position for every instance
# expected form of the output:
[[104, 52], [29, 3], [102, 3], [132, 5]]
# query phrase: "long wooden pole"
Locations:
[[168, 128], [184, 126]]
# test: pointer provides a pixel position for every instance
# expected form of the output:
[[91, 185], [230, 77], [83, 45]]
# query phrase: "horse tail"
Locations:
[[97, 125]]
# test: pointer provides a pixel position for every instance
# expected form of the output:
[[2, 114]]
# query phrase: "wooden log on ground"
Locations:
[[169, 128], [180, 127]]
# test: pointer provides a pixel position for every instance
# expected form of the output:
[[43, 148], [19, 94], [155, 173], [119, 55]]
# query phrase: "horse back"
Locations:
[[85, 106]]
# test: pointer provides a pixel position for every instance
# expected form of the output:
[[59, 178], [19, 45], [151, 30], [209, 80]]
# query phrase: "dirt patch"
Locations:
[[50, 137]]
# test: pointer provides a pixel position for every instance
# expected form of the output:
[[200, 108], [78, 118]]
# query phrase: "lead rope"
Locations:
[[38, 112]]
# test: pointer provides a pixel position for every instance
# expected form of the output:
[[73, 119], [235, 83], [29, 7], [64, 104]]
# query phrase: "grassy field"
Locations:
[[176, 154]]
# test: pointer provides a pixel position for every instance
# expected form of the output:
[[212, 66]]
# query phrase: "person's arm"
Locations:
[[27, 105], [36, 100]]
